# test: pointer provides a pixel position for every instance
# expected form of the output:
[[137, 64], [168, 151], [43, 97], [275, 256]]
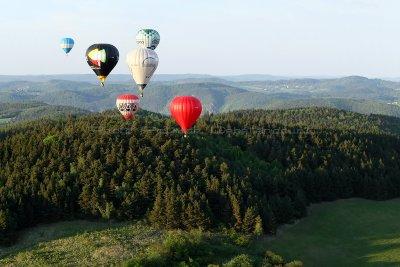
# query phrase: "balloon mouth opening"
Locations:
[[141, 89], [102, 80], [185, 132], [128, 118]]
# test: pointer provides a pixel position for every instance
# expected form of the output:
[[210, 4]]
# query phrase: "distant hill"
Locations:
[[358, 94], [213, 95], [348, 87], [253, 77], [12, 112], [118, 78], [91, 78], [355, 105]]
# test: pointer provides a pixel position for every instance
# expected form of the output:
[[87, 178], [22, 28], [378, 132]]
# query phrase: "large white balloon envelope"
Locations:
[[142, 63]]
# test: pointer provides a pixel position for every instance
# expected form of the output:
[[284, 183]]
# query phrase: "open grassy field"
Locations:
[[352, 232], [80, 243]]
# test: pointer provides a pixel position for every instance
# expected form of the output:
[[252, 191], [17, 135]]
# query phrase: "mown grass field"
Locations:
[[350, 232]]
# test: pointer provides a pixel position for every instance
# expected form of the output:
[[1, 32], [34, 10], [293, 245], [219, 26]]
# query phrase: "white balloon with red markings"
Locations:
[[128, 105]]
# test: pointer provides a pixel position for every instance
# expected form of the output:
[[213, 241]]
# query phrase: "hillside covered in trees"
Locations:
[[248, 170]]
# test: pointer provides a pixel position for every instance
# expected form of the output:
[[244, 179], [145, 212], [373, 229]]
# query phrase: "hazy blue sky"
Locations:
[[282, 37]]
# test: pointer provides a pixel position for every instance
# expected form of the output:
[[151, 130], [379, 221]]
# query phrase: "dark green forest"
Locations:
[[246, 170]]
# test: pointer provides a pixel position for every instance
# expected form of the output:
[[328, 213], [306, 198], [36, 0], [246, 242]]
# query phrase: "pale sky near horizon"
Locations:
[[222, 37]]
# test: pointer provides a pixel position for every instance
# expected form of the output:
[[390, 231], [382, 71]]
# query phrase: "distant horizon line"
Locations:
[[333, 76]]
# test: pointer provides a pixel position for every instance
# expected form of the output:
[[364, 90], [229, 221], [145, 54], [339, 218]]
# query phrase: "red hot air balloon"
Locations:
[[128, 105], [185, 110]]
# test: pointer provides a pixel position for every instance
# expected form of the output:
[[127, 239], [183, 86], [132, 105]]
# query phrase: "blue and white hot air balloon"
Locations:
[[67, 44], [148, 38]]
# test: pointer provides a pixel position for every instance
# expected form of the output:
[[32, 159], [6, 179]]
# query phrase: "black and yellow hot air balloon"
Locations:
[[102, 58]]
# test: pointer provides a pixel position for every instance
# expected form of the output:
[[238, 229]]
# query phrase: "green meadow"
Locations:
[[351, 232]]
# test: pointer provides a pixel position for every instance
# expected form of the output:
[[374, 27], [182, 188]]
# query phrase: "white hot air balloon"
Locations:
[[142, 63]]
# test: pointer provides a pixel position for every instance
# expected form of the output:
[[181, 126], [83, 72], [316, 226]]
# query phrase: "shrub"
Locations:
[[242, 260], [294, 264], [178, 249], [272, 259], [238, 238]]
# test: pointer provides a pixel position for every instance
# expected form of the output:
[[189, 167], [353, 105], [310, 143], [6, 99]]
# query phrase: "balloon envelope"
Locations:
[[128, 105], [102, 58], [148, 38], [67, 44], [142, 63], [185, 110]]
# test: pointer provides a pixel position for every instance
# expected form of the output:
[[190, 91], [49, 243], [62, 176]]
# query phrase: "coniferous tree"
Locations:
[[258, 226], [249, 220]]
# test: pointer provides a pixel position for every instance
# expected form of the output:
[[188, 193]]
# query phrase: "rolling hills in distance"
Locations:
[[14, 112], [156, 77], [218, 93]]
